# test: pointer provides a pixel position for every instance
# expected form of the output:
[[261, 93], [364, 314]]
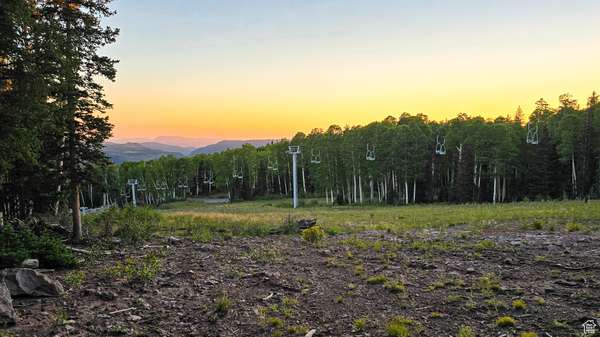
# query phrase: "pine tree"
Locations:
[[79, 102]]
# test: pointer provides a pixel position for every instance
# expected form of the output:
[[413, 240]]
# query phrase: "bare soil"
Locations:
[[283, 283]]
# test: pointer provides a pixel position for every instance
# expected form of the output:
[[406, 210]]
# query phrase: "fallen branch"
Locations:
[[79, 250], [121, 311]]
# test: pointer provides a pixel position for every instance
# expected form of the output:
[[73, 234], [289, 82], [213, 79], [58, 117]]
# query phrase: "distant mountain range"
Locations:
[[130, 151], [229, 144]]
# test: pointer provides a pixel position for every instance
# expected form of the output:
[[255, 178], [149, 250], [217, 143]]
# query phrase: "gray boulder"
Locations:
[[29, 282], [7, 312], [31, 263]]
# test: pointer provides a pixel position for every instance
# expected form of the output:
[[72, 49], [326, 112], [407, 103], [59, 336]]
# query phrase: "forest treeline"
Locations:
[[52, 105], [400, 160]]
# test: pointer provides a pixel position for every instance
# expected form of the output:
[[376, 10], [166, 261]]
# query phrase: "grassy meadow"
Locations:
[[197, 218]]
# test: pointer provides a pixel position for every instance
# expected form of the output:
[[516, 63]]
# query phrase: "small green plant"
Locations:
[[266, 255], [360, 324], [505, 321], [313, 234], [377, 279], [488, 283], [453, 299], [289, 301], [277, 333], [298, 329], [394, 286], [75, 278], [485, 245], [144, 269], [465, 331], [470, 305], [574, 227], [274, 322], [528, 334], [539, 300], [359, 270], [496, 304], [222, 304], [339, 299], [436, 314], [519, 304], [399, 327]]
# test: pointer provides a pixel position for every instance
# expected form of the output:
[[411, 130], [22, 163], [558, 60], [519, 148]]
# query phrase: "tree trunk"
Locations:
[[414, 196], [406, 191], [75, 209], [495, 185], [360, 191], [303, 181], [573, 175]]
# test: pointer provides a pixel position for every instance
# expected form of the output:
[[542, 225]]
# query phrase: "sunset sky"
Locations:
[[266, 69]]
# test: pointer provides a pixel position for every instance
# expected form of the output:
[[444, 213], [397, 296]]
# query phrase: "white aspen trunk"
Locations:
[[495, 183], [414, 191], [326, 197], [360, 191], [303, 181], [385, 190], [355, 189], [406, 191], [332, 200], [372, 188], [503, 188], [573, 175]]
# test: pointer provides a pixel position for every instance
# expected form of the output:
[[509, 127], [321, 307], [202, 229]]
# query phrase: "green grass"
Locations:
[[258, 218]]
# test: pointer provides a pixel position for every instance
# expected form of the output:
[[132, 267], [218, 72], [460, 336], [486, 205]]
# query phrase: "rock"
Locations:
[[470, 270], [311, 333], [134, 318], [7, 312], [306, 223], [173, 240], [29, 282], [31, 263], [103, 295]]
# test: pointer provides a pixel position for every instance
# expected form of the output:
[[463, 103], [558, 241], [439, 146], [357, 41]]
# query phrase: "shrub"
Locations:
[[539, 300], [488, 283], [22, 244], [399, 327], [132, 224], [313, 234], [506, 321], [222, 304], [519, 304], [394, 286], [465, 331], [274, 322], [360, 324], [298, 329], [377, 279], [574, 227], [528, 334], [143, 270], [75, 278]]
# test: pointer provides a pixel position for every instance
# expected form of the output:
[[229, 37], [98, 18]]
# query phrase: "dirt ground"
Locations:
[[285, 286]]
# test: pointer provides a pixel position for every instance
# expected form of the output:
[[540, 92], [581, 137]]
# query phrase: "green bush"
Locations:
[[132, 224], [22, 244], [137, 270], [313, 234]]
